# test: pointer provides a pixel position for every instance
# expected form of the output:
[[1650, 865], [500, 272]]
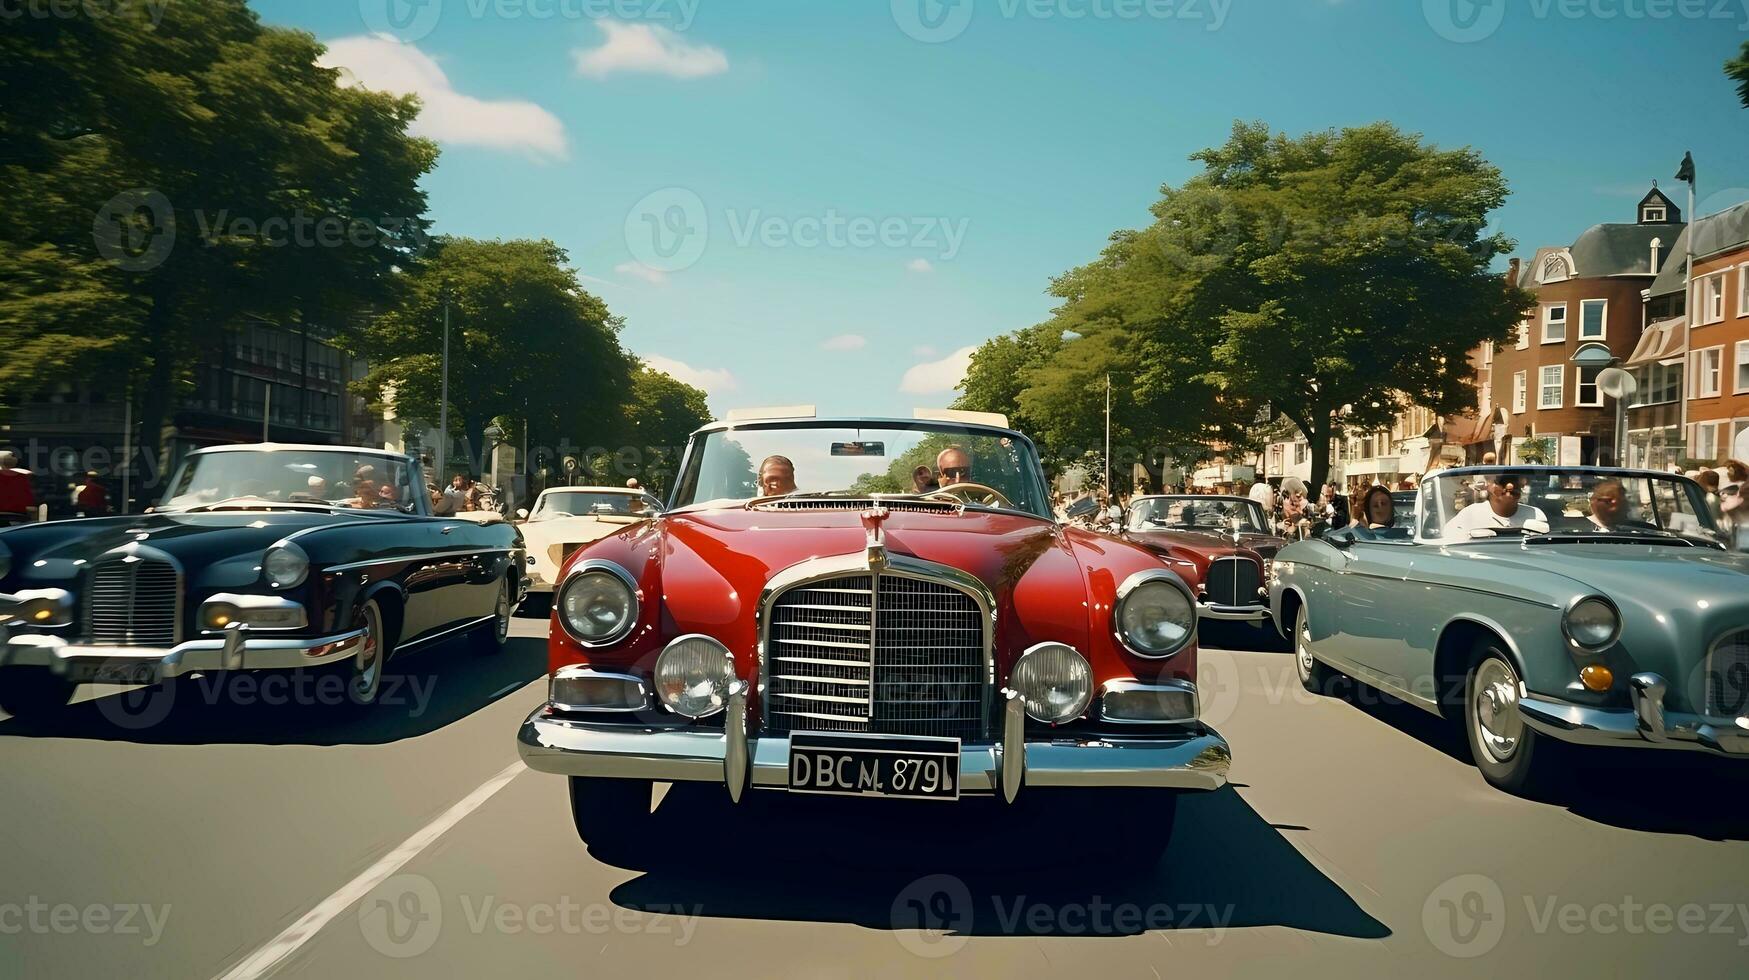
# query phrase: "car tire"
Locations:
[[1315, 675], [613, 818], [1511, 755], [33, 692], [491, 638], [364, 670]]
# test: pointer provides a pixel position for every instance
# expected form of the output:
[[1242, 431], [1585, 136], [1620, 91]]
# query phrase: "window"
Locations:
[[1554, 378], [1593, 319], [1488, 352], [1518, 391], [1523, 335], [1652, 214], [1659, 384], [1585, 391], [1554, 323], [1743, 290], [1706, 372], [1709, 299], [1741, 364], [1301, 452], [1706, 441], [1738, 427]]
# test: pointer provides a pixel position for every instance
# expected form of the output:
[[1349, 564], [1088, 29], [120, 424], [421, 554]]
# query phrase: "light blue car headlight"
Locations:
[[1592, 623]]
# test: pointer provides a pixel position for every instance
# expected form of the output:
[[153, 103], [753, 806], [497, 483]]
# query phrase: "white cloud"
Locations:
[[919, 265], [382, 63], [848, 341], [649, 48], [924, 351], [933, 377], [712, 381], [638, 270]]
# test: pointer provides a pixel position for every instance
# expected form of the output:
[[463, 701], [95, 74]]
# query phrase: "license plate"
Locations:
[[114, 672], [875, 765]]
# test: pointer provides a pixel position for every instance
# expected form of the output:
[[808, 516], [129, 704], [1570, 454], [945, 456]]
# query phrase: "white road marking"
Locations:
[[268, 957]]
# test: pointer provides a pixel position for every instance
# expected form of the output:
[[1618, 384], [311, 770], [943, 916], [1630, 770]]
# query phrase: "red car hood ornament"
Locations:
[[872, 519]]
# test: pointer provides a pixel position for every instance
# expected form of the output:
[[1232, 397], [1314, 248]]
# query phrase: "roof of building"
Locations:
[[1713, 234], [1609, 250]]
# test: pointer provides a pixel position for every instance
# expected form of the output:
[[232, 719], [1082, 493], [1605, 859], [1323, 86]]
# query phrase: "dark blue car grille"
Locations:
[[133, 602], [1233, 582]]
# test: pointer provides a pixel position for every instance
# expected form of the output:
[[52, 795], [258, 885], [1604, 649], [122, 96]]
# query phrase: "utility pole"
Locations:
[[1108, 438], [443, 404]]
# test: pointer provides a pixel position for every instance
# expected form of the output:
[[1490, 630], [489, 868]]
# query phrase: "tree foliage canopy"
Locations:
[[1332, 278]]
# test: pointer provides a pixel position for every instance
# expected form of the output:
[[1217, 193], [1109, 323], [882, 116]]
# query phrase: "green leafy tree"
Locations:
[[660, 415], [1331, 279], [163, 181], [526, 342], [1737, 69]]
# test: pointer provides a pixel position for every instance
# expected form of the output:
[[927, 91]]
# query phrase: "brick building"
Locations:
[[1588, 292]]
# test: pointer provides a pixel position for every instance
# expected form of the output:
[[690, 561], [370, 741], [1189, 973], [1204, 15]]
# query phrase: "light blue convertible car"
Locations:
[[1538, 607]]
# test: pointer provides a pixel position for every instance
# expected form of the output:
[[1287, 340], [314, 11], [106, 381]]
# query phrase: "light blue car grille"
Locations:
[[1727, 677]]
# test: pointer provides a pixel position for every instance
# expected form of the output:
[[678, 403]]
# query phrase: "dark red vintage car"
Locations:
[[1221, 545], [813, 613]]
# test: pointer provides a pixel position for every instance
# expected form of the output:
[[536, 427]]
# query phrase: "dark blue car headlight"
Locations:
[[285, 565]]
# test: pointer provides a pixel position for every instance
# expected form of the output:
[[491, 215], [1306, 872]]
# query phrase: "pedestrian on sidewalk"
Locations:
[[17, 499]]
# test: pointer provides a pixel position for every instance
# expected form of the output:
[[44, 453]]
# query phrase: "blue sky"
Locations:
[[805, 201]]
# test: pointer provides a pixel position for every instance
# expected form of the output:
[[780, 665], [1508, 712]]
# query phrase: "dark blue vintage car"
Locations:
[[259, 558]]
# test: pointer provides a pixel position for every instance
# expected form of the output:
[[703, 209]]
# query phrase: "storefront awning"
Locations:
[[1664, 340]]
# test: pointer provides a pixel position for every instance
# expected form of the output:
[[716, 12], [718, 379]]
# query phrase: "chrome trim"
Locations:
[[1587, 725], [1130, 685], [632, 614], [1086, 702], [655, 669], [247, 602], [685, 753], [900, 566], [1573, 604], [1134, 582], [643, 693], [1647, 691], [1011, 754], [402, 559], [737, 755], [402, 646], [38, 650], [65, 606], [1248, 614]]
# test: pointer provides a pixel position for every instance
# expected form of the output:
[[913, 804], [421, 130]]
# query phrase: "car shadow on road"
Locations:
[[1653, 790], [421, 693], [982, 868]]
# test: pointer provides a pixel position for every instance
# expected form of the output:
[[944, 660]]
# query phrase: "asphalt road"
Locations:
[[203, 839]]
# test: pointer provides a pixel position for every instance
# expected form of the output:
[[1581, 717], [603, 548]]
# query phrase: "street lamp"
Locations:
[[1612, 381]]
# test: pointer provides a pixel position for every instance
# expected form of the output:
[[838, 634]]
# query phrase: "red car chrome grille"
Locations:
[[887, 654]]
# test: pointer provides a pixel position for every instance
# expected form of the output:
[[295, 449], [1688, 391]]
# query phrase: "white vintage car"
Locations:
[[567, 518]]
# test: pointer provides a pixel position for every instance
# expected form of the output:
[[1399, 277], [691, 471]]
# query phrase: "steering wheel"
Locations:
[[975, 493]]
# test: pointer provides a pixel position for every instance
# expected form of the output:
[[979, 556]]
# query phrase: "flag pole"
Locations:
[[1688, 289]]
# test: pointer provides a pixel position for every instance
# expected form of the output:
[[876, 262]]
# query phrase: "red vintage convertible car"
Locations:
[[815, 613], [1221, 545]]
